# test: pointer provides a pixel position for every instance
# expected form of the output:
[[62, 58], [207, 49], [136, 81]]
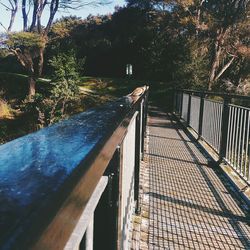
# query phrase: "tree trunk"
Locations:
[[224, 68], [198, 17], [215, 64], [25, 16], [32, 78], [32, 86], [218, 49], [40, 62], [12, 19]]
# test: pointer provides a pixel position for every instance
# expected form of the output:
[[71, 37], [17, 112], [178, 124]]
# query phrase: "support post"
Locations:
[[107, 211], [201, 115], [137, 163], [90, 234], [115, 204], [181, 103], [144, 111], [175, 101], [189, 109], [141, 112], [224, 128]]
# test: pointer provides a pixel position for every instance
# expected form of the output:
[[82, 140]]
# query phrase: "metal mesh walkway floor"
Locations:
[[191, 203]]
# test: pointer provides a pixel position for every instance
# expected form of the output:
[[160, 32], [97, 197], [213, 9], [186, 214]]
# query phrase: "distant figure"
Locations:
[[138, 91]]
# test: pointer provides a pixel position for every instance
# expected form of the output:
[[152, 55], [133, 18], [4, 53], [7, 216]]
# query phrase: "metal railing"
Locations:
[[75, 185], [224, 126]]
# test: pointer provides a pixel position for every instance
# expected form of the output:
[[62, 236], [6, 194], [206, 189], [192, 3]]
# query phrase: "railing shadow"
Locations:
[[232, 219], [224, 213]]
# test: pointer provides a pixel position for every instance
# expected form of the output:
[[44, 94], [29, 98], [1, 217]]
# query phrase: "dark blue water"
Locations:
[[34, 167]]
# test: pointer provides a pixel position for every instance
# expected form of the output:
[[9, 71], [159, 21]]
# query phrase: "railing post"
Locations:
[[189, 109], [224, 128], [90, 235], [137, 163], [175, 101], [172, 98], [107, 211], [144, 111], [115, 204], [201, 115], [181, 103]]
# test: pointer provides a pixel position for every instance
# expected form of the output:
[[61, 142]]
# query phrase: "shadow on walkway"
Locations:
[[192, 204]]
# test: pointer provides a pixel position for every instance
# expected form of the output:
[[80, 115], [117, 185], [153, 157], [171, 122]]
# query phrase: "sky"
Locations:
[[84, 12]]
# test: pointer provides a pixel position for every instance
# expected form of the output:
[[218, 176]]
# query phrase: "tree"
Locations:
[[219, 26], [29, 44], [227, 17], [12, 6]]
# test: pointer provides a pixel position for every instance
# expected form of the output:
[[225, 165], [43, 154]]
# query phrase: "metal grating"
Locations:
[[238, 149], [212, 117], [185, 99], [195, 112], [191, 204]]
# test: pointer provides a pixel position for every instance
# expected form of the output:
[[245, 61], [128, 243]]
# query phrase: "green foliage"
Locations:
[[26, 40], [64, 92], [63, 28], [65, 66], [191, 67], [5, 111]]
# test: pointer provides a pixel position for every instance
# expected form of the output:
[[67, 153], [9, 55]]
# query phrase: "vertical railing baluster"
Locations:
[[142, 111], [224, 128], [247, 158], [243, 142], [189, 109], [144, 123], [232, 134], [181, 103], [90, 234], [240, 139], [229, 134], [175, 102], [201, 115], [237, 138], [137, 162], [217, 119]]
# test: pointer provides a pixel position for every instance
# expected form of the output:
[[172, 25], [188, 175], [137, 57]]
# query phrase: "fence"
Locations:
[[75, 185], [223, 125]]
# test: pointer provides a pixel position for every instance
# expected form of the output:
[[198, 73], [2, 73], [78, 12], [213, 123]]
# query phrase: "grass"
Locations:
[[115, 87], [94, 91], [160, 92], [14, 88]]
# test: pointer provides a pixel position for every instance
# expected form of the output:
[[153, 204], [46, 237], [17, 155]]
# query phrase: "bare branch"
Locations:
[[1, 24], [39, 15], [34, 15], [25, 16], [24, 58], [54, 5], [14, 5], [5, 6], [78, 4], [225, 68]]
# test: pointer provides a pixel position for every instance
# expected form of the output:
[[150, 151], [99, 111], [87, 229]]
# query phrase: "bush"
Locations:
[[64, 92]]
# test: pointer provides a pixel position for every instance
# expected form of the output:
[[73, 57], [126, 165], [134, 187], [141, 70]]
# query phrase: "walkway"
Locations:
[[191, 203]]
